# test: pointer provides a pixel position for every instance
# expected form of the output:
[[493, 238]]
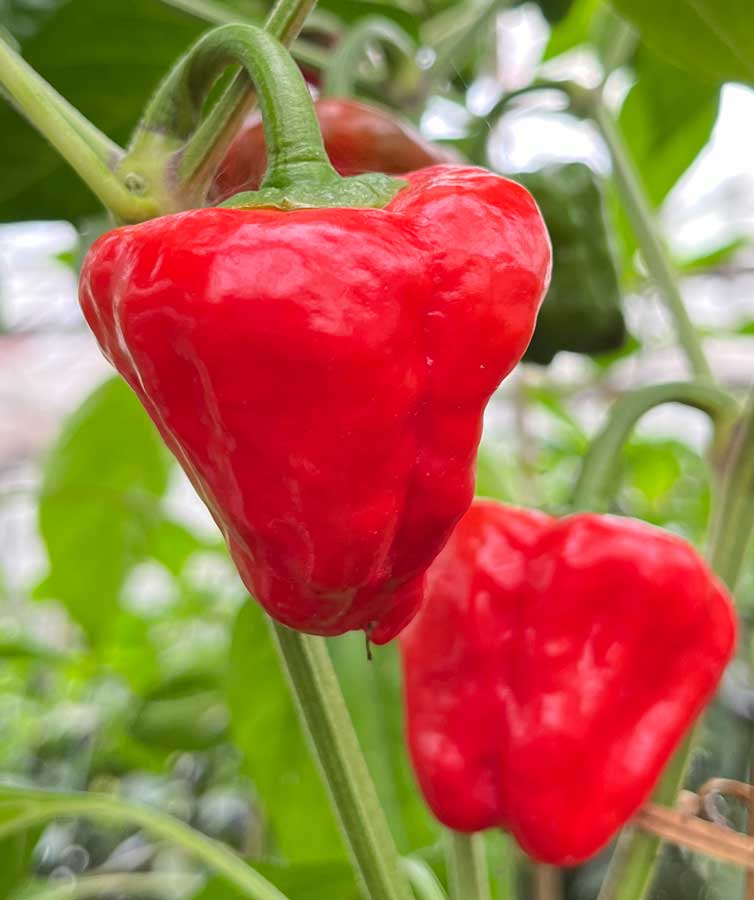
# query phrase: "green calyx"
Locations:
[[299, 173], [371, 191]]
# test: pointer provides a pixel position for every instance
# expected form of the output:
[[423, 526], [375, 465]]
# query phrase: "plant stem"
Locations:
[[343, 70], [128, 883], [326, 720], [89, 152], [548, 882], [597, 471], [632, 870], [467, 866], [733, 518], [650, 243], [31, 807], [422, 879]]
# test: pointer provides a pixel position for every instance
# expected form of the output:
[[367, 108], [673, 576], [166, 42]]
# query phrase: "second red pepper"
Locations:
[[554, 668]]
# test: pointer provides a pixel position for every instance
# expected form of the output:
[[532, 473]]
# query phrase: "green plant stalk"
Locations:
[[631, 872], [37, 807], [90, 153], [327, 723], [598, 469], [467, 866], [341, 74], [128, 883], [650, 243], [422, 879]]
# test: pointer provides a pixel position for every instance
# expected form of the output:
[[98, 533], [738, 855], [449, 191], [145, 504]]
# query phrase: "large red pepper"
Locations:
[[553, 669], [358, 138], [321, 373]]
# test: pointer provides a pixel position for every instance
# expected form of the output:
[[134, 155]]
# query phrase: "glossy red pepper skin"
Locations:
[[321, 376], [554, 668], [358, 138]]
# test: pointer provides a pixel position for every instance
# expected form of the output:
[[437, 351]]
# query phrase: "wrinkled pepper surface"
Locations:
[[358, 138], [321, 375], [554, 668], [582, 311]]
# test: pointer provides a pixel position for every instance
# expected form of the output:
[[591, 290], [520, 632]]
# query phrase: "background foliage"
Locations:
[[157, 680]]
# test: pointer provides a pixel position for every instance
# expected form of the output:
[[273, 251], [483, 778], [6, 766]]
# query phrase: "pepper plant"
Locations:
[[313, 329]]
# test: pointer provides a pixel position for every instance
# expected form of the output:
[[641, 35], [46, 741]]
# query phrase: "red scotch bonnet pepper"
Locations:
[[554, 668], [321, 373]]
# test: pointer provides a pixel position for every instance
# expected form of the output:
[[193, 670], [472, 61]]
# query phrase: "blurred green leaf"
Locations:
[[713, 258], [98, 503], [15, 856], [306, 881], [91, 52], [406, 13], [373, 692], [265, 726], [667, 119], [667, 483], [171, 544], [184, 720], [554, 10], [493, 476], [711, 39], [574, 29]]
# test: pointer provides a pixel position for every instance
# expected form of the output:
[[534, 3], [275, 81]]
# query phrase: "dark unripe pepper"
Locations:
[[582, 311], [554, 668], [321, 373], [358, 138]]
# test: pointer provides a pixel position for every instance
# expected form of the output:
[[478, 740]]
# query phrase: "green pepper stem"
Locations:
[[597, 472], [326, 720], [650, 243], [37, 807], [294, 141], [467, 866], [632, 870], [90, 153], [206, 146], [299, 172]]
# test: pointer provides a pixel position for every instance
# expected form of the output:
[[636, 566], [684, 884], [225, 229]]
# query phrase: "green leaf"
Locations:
[[574, 29], [106, 58], [493, 476], [554, 10], [15, 856], [711, 39], [405, 13], [373, 692], [187, 720], [98, 503], [307, 881], [667, 119], [712, 258], [265, 726]]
